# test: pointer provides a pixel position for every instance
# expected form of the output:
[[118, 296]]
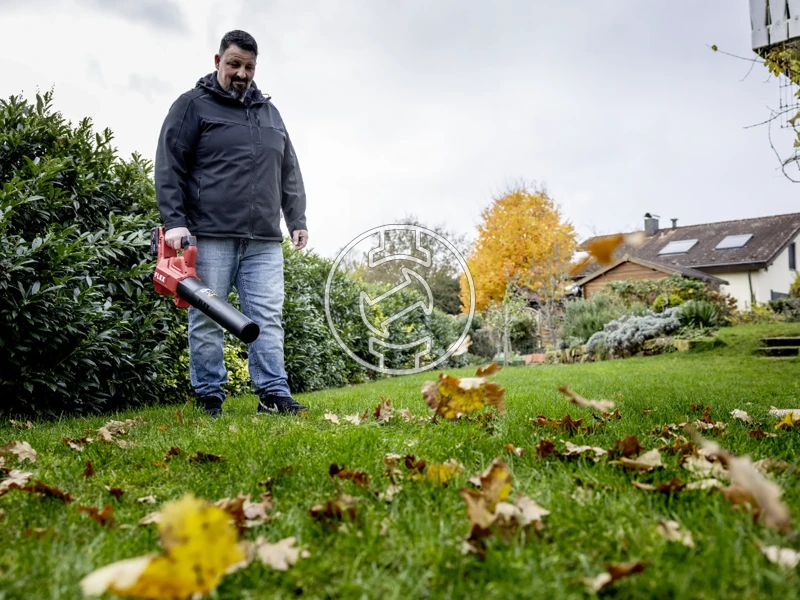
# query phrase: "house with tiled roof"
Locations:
[[753, 260]]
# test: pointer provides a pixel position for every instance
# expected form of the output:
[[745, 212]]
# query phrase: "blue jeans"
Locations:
[[256, 268]]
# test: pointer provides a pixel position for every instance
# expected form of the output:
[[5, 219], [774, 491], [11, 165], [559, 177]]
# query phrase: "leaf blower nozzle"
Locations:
[[176, 276]]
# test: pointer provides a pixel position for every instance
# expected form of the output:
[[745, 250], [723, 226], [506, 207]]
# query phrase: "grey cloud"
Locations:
[[163, 14]]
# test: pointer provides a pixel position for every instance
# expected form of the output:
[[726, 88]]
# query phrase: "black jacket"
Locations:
[[226, 168]]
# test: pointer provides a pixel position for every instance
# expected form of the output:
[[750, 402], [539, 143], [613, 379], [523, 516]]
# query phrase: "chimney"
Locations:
[[674, 223], [650, 224]]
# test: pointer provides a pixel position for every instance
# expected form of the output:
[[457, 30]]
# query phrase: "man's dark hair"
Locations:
[[244, 40]]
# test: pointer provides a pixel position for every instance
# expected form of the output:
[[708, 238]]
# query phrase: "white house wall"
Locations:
[[739, 288]]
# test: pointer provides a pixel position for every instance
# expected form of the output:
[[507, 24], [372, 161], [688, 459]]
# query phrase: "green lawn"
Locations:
[[419, 555]]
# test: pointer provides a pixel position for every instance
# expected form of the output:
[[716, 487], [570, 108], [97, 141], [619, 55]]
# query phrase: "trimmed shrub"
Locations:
[[698, 314], [583, 318], [81, 327], [789, 308], [626, 336]]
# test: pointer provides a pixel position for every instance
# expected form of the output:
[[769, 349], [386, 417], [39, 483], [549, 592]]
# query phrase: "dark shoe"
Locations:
[[279, 405], [211, 404]]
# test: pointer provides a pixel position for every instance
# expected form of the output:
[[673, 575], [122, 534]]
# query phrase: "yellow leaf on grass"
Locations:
[[440, 474], [199, 546], [452, 397]]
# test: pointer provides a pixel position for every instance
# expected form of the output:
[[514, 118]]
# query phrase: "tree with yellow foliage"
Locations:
[[522, 238]]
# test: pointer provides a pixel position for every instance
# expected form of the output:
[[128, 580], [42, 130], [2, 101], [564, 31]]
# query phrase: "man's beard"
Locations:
[[237, 92]]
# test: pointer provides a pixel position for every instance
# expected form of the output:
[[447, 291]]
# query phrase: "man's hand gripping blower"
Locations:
[[176, 276]]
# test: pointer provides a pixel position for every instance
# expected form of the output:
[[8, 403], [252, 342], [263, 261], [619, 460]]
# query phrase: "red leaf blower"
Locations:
[[176, 276]]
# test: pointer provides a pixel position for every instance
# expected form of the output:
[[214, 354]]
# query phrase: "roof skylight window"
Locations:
[[678, 247], [734, 241]]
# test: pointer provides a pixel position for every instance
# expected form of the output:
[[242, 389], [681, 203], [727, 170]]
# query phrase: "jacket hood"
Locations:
[[210, 82]]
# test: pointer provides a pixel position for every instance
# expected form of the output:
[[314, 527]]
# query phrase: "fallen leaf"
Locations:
[[245, 513], [412, 464], [613, 573], [647, 411], [598, 405], [672, 486], [572, 451], [360, 478], [680, 446], [179, 416], [148, 519], [741, 415], [37, 532], [441, 474], [199, 546], [281, 555], [103, 517], [784, 557], [125, 444], [331, 417], [765, 493], [15, 480], [452, 397], [22, 450], [700, 465], [233, 429], [391, 491], [671, 531], [628, 447], [514, 450], [116, 492], [384, 411], [202, 457], [147, 500], [333, 511], [488, 370], [613, 415], [546, 448], [646, 462], [354, 419], [789, 421], [566, 423], [88, 470], [105, 435], [760, 434], [20, 424], [385, 526], [173, 451], [162, 427], [782, 412], [705, 484], [77, 443], [42, 489], [2, 514], [771, 464]]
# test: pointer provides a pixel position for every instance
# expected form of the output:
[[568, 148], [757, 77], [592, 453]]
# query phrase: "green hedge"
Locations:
[[81, 329]]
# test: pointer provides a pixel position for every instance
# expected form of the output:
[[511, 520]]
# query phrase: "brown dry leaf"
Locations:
[[245, 513], [647, 411], [22, 450], [15, 480], [646, 462], [20, 424], [405, 414], [77, 443], [514, 450], [598, 405], [594, 452], [116, 492], [385, 526], [103, 517], [681, 446], [628, 447], [37, 532], [441, 474], [671, 531], [672, 486], [614, 572], [354, 419], [614, 415], [161, 465], [147, 500], [173, 451], [88, 470], [42, 489], [741, 415], [162, 427], [766, 465], [765, 493], [452, 397], [384, 411], [566, 423], [760, 434], [105, 435], [495, 483], [700, 465], [281, 555], [488, 370], [2, 514], [546, 448], [179, 416], [412, 464], [602, 249], [202, 457], [784, 557], [332, 511], [125, 444], [360, 478]]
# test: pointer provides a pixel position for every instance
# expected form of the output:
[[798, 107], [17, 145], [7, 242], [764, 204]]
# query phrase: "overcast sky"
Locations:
[[618, 107]]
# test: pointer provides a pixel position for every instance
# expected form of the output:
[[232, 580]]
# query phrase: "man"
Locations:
[[225, 169]]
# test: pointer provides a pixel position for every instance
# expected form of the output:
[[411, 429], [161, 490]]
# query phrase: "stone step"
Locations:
[[774, 351], [793, 342]]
